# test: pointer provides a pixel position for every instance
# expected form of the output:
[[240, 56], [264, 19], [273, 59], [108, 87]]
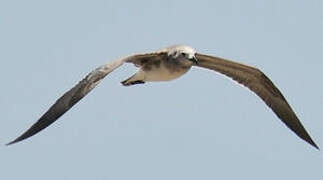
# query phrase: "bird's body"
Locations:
[[168, 64], [154, 73]]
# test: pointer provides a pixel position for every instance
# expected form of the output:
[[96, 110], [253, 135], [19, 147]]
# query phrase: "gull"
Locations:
[[168, 64]]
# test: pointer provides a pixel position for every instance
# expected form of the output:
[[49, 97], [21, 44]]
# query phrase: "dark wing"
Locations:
[[260, 84], [71, 97]]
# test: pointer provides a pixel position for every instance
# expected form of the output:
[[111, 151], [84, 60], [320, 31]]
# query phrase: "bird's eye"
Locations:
[[183, 54]]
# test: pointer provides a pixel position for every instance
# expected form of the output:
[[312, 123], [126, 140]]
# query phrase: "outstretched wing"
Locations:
[[260, 84], [71, 97]]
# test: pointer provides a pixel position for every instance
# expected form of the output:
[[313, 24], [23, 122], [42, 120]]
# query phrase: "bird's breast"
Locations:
[[163, 72]]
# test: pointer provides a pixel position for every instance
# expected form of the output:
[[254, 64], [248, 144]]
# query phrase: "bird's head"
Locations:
[[183, 53]]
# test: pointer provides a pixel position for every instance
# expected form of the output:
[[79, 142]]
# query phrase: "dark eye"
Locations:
[[183, 54]]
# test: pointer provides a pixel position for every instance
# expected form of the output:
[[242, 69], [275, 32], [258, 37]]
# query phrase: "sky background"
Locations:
[[200, 126]]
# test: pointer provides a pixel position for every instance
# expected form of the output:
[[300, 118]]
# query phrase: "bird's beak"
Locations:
[[194, 60]]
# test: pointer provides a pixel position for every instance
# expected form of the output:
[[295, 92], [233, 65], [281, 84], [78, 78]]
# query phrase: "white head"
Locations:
[[181, 51]]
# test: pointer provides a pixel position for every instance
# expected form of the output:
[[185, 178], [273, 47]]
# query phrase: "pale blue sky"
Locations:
[[200, 126]]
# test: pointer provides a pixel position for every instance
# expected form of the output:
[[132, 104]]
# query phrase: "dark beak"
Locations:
[[194, 60]]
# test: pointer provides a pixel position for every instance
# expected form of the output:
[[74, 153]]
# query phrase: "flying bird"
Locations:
[[168, 64]]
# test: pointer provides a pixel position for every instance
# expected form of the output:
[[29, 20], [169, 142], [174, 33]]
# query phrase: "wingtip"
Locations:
[[13, 142], [314, 145], [310, 141], [18, 139]]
